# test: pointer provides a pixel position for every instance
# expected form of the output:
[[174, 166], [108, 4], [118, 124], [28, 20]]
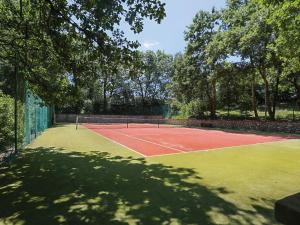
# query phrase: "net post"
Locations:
[[76, 122], [127, 123], [157, 123]]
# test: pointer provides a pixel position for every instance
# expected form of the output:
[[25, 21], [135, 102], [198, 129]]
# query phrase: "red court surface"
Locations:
[[166, 140]]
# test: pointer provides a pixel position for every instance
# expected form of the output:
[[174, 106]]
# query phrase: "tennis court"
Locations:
[[150, 138]]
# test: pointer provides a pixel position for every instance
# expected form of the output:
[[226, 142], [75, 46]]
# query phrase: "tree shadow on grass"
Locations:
[[50, 186]]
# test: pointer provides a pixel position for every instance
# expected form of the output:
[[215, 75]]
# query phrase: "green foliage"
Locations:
[[284, 16], [151, 81], [56, 44], [193, 109], [240, 58], [117, 89], [74, 54], [7, 122]]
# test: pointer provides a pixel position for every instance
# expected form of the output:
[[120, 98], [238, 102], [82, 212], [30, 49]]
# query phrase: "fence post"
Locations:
[[16, 105]]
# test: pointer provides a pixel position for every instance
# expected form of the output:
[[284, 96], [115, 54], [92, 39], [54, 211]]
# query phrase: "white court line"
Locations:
[[116, 142], [149, 142], [220, 149], [168, 133]]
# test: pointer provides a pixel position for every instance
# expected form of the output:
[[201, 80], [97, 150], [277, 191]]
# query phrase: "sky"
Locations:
[[169, 35]]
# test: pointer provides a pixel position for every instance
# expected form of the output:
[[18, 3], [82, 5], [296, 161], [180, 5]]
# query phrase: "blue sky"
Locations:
[[169, 35]]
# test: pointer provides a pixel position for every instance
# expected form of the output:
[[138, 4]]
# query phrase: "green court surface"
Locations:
[[78, 177]]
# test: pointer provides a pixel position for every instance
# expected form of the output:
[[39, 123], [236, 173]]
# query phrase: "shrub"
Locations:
[[193, 109], [7, 122], [196, 109]]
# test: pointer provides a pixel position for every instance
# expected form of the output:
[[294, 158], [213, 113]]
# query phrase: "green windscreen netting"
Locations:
[[37, 118]]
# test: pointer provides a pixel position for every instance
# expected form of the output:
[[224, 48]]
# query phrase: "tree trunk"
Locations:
[[104, 94], [253, 89], [77, 89], [142, 93], [254, 102], [275, 97], [213, 100], [296, 83], [267, 94]]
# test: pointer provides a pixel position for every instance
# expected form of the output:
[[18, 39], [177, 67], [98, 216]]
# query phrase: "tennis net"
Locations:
[[120, 123]]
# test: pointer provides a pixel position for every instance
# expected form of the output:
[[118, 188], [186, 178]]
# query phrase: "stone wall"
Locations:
[[270, 126]]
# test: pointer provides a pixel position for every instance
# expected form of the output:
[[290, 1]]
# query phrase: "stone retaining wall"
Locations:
[[270, 126]]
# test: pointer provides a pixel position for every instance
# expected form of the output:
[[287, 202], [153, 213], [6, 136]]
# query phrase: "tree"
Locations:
[[239, 56], [142, 84], [153, 76], [204, 27], [31, 30], [247, 23], [284, 16]]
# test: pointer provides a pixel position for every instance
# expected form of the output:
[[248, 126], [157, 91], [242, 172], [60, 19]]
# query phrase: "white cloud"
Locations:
[[150, 44]]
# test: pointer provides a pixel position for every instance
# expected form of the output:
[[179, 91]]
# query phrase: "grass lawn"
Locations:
[[78, 177]]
